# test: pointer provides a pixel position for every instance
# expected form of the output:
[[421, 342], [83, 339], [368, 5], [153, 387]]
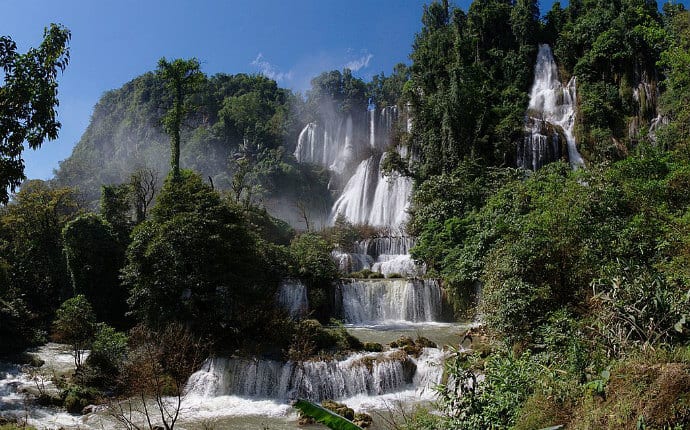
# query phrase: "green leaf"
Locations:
[[324, 416]]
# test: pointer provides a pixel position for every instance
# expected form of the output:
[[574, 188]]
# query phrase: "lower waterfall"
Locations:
[[360, 374], [390, 300]]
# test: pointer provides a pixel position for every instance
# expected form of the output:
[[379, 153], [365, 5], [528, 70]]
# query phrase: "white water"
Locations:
[[362, 376], [390, 301], [331, 145], [352, 151], [387, 255], [292, 296], [18, 385], [551, 103], [370, 197]]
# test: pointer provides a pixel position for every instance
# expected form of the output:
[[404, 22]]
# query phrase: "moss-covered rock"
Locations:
[[412, 347], [373, 347], [75, 398]]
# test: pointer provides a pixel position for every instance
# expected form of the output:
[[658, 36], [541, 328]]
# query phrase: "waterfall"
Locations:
[[390, 300], [369, 196], [551, 113], [387, 255], [352, 149], [292, 296], [369, 374], [331, 144]]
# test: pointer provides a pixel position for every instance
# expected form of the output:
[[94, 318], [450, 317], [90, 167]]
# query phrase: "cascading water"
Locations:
[[387, 255], [292, 296], [375, 302], [550, 115], [369, 196], [360, 374], [355, 159], [332, 145]]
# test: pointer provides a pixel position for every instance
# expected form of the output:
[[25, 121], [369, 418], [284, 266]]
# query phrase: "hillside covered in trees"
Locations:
[[579, 273]]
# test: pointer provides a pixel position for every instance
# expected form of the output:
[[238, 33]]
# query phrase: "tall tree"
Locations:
[[95, 255], [181, 78], [28, 98]]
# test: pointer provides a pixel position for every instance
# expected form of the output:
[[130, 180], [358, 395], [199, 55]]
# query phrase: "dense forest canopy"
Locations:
[[584, 273]]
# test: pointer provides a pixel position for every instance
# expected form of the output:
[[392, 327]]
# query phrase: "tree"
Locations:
[[144, 184], [75, 323], [94, 258], [181, 78], [31, 243], [675, 101], [28, 99], [158, 366], [195, 261], [116, 208]]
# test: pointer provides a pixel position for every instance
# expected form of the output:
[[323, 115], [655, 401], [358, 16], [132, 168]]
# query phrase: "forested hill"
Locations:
[[468, 86], [234, 119]]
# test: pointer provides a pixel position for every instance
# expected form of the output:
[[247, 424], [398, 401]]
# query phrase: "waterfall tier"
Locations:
[[550, 117], [353, 151], [386, 255], [373, 302], [368, 374], [292, 296]]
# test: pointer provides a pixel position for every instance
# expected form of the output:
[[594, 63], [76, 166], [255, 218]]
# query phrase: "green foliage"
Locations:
[[17, 328], [28, 98], [372, 347], [124, 140], [675, 100], [75, 323], [613, 49], [108, 354], [312, 339], [115, 208], [493, 402], [31, 249], [196, 262], [336, 92], [75, 398], [313, 262], [469, 81], [94, 258], [388, 90]]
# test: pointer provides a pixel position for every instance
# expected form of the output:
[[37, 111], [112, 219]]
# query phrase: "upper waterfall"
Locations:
[[353, 150], [550, 115]]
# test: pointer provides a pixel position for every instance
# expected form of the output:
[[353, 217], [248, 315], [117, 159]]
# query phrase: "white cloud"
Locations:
[[359, 63], [270, 70]]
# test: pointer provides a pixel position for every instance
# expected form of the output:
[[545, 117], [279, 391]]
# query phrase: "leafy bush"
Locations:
[[108, 354]]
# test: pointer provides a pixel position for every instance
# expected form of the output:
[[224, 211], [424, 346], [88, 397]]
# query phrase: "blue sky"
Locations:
[[288, 40]]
